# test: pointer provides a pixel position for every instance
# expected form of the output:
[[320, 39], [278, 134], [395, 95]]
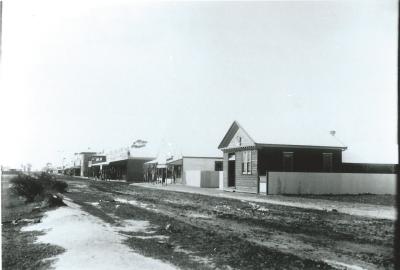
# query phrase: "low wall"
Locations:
[[330, 183], [209, 179], [193, 178], [204, 179], [221, 180], [263, 184]]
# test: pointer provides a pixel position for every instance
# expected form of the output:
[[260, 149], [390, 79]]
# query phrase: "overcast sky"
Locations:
[[101, 74]]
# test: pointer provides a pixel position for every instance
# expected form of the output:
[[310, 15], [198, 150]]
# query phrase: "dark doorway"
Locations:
[[231, 170]]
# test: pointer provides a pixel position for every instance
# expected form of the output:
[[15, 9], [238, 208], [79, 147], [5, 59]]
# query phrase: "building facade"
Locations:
[[83, 159], [247, 161], [127, 163]]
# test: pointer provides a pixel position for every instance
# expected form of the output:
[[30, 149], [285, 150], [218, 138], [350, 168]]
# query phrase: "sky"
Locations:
[[78, 75]]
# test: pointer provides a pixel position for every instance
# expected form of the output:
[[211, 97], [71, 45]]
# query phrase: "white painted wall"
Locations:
[[263, 184], [330, 183], [205, 179], [221, 180], [197, 164], [193, 178]]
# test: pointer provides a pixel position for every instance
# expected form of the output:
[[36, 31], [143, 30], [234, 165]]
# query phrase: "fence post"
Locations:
[[266, 183]]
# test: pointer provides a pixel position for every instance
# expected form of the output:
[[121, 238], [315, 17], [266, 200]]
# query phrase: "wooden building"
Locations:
[[248, 156]]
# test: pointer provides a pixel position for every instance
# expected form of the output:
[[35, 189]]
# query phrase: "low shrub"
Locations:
[[26, 186], [60, 186], [50, 183], [31, 187]]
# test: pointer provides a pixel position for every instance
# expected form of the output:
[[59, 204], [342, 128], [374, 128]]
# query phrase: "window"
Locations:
[[288, 161], [327, 162], [218, 166], [238, 141], [246, 162]]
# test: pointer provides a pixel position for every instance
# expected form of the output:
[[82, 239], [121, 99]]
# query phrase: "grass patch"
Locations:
[[19, 250]]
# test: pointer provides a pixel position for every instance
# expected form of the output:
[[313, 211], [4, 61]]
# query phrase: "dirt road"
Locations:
[[193, 231], [383, 207]]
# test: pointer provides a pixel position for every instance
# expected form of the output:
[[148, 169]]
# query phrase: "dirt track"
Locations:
[[197, 231]]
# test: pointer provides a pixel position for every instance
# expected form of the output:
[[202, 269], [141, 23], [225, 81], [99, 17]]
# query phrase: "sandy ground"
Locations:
[[91, 243], [359, 209]]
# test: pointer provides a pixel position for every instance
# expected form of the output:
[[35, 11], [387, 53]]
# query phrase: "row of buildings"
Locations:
[[253, 159], [142, 161]]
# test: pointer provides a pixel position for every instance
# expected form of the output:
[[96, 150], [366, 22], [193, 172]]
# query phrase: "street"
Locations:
[[189, 231]]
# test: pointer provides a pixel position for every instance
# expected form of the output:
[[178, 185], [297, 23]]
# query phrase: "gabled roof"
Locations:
[[160, 160], [175, 158], [211, 152], [169, 152], [229, 134], [165, 152], [295, 134]]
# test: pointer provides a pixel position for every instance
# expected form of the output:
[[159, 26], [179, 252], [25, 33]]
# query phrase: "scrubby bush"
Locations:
[[31, 187], [50, 183], [26, 186], [60, 186]]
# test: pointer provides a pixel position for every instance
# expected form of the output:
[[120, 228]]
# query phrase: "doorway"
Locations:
[[231, 170]]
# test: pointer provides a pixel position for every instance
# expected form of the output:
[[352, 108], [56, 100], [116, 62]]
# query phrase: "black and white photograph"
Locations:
[[199, 134]]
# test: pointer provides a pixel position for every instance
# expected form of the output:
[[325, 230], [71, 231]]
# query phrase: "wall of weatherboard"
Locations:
[[246, 182]]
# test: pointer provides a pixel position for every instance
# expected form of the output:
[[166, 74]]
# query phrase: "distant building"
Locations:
[[49, 168], [127, 163], [79, 164], [7, 170], [95, 165], [198, 169], [156, 169], [83, 159]]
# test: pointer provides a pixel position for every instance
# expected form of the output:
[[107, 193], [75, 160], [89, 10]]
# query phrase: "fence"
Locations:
[[329, 183], [204, 179]]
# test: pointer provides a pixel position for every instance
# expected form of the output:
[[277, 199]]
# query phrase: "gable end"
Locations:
[[229, 135]]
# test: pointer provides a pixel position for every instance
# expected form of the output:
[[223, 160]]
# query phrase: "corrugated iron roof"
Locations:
[[295, 133]]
